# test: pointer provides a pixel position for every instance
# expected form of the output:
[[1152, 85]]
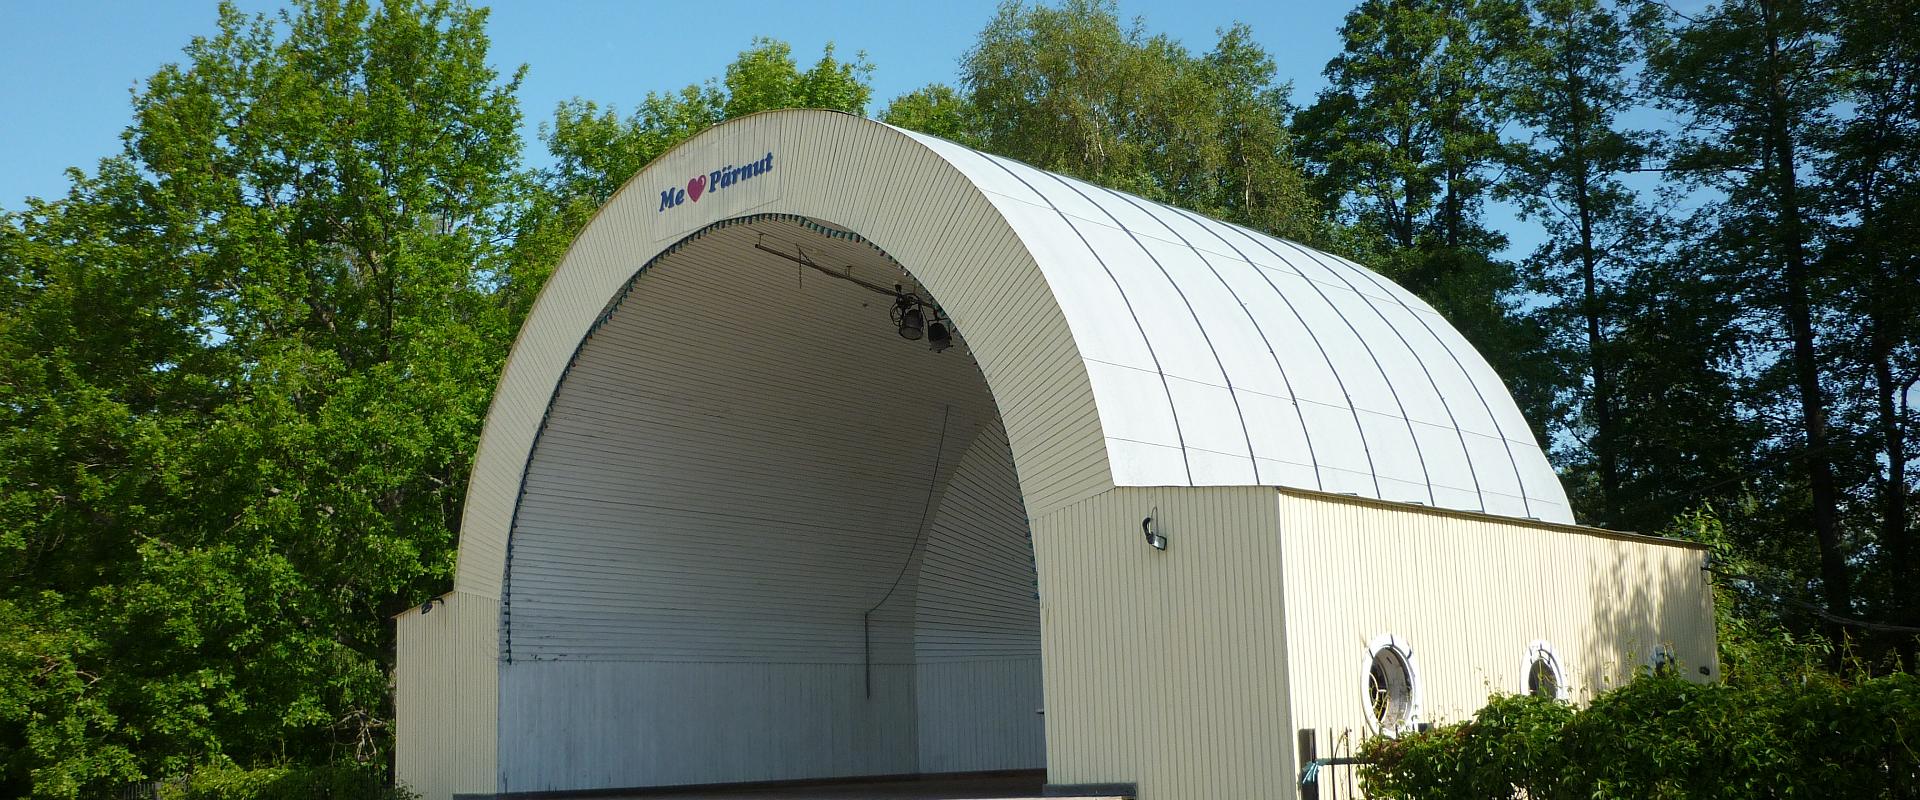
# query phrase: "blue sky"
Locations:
[[66, 67]]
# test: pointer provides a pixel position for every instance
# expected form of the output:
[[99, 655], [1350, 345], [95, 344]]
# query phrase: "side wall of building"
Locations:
[[1166, 669], [1467, 595], [446, 682]]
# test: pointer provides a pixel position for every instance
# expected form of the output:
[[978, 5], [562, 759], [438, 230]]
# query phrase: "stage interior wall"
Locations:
[[763, 537]]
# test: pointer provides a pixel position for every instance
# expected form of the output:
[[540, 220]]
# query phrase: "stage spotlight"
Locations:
[[939, 333], [907, 315]]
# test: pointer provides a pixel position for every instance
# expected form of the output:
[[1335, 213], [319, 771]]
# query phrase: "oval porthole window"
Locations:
[[1544, 676], [1393, 685]]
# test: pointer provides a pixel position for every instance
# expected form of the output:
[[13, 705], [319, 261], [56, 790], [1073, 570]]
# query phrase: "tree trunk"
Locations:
[[1817, 460], [1894, 531], [1601, 406]]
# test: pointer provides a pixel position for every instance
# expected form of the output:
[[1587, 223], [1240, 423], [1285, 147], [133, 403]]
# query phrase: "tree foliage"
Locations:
[[243, 363], [1798, 123], [1404, 144], [1667, 737], [1567, 83], [1778, 725], [1074, 90]]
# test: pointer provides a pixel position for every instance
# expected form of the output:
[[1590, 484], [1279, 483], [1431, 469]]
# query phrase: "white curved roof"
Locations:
[[1222, 356], [1124, 342]]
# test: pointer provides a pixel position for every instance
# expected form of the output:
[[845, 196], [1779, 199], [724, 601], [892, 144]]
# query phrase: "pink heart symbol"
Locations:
[[695, 187]]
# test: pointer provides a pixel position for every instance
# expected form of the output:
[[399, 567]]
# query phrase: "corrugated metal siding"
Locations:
[[598, 724], [736, 467], [977, 623], [1469, 594], [445, 687], [740, 464], [1166, 669], [976, 594], [980, 715]]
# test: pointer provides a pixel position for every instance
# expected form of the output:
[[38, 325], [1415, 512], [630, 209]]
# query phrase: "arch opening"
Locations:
[[764, 536]]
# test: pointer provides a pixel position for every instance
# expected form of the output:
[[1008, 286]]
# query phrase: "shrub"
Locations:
[[1666, 737], [330, 782]]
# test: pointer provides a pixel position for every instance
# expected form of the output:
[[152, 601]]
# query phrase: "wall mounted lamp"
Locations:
[[1155, 539]]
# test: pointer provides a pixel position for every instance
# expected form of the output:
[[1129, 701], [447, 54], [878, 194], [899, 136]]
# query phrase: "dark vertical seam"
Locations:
[[1512, 460], [1175, 413], [1444, 405], [1425, 476], [1291, 397], [1358, 429], [1245, 434]]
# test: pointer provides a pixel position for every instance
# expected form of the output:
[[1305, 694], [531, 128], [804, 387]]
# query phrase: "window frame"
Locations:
[[1403, 650]]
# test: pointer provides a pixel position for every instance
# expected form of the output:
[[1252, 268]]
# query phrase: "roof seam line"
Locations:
[[1264, 341], [1359, 430], [1444, 405], [1505, 443], [1426, 476], [1185, 465], [1245, 434]]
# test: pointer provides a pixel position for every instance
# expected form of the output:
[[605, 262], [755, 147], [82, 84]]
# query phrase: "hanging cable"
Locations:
[[919, 535], [802, 260]]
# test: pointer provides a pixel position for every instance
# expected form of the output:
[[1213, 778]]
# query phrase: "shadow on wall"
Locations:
[[1652, 609]]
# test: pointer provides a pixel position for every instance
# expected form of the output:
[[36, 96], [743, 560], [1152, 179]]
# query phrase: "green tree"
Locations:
[[1404, 142], [1869, 173], [936, 109], [1405, 130], [1682, 435], [1568, 82], [244, 366], [1753, 81], [1071, 89]]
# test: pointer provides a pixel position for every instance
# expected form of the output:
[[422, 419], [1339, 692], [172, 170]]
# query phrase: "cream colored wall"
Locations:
[[445, 696], [1469, 593], [1166, 669], [1189, 672]]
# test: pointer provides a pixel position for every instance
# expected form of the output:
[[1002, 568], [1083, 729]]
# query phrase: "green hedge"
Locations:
[[284, 783], [1666, 737]]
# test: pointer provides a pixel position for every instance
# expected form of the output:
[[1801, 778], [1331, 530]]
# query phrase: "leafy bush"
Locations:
[[341, 782], [1666, 737]]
